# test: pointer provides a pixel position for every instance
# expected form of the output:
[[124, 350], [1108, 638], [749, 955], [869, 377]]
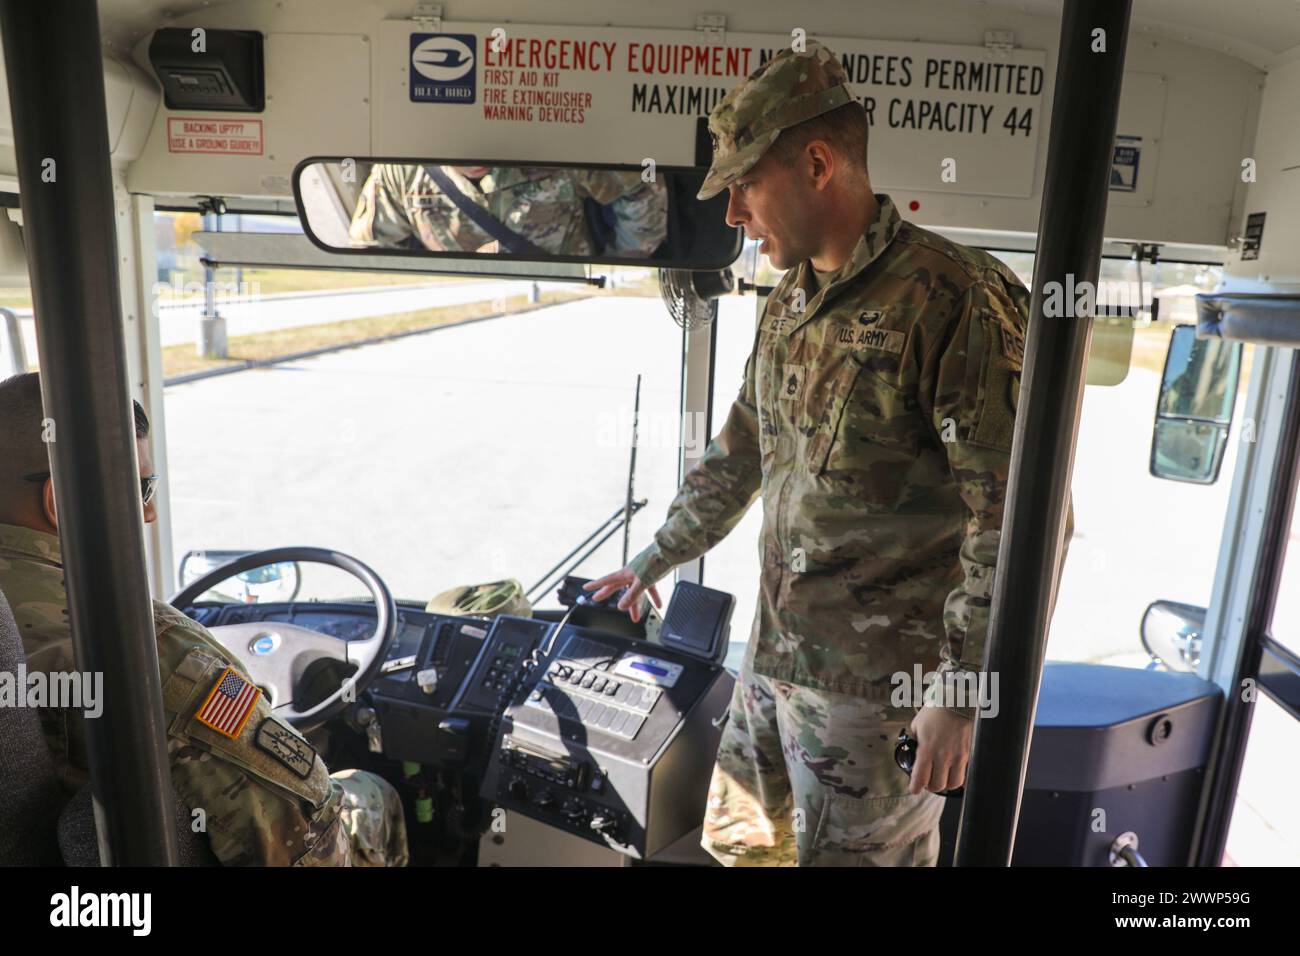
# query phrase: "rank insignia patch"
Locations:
[[792, 378], [285, 746], [229, 705]]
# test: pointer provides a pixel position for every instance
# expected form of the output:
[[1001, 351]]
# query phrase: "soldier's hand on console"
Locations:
[[943, 749], [631, 600]]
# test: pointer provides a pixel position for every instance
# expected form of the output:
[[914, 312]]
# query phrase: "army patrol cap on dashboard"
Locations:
[[483, 600], [786, 90]]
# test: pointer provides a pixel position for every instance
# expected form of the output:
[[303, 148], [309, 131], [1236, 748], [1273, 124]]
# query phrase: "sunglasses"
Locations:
[[148, 485], [905, 757]]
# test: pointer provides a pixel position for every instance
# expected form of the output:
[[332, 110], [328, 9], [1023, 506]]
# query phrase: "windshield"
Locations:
[[483, 433], [450, 431]]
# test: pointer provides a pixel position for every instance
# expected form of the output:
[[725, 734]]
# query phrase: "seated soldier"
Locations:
[[258, 805]]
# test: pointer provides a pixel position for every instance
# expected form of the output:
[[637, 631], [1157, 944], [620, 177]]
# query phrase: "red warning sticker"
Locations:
[[221, 136]]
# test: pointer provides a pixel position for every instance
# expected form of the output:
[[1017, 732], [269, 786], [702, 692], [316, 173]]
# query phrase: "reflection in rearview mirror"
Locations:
[[1188, 451], [1194, 412], [539, 213]]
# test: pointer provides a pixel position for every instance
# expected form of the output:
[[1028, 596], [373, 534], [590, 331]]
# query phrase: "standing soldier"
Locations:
[[875, 421]]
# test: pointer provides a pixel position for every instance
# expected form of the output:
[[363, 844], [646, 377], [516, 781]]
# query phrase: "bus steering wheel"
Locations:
[[278, 655]]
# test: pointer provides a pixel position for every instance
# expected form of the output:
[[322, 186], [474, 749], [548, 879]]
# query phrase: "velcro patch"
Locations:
[[285, 746], [229, 705], [886, 340], [1011, 342], [792, 379], [780, 324]]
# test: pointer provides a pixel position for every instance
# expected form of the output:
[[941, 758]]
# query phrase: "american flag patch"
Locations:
[[229, 705]]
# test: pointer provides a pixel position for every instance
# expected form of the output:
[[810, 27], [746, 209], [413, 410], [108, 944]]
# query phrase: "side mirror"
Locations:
[[1171, 634], [1197, 397], [271, 582]]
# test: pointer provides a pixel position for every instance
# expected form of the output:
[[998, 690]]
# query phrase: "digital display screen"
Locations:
[[510, 635]]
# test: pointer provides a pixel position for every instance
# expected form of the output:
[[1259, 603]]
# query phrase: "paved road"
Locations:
[[467, 454], [178, 321]]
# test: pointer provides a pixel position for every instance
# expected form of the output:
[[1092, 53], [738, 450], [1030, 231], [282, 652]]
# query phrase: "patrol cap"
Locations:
[[786, 90], [486, 600]]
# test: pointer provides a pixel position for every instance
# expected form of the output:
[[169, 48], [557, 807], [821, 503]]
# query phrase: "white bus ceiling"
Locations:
[[1201, 75]]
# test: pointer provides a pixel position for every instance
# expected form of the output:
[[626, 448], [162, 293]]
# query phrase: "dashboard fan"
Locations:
[[691, 297]]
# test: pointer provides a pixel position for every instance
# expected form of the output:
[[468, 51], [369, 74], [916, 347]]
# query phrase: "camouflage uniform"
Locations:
[[542, 205], [805, 777], [273, 807], [875, 421]]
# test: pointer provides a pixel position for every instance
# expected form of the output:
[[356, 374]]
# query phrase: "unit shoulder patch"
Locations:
[[1011, 341], [285, 746]]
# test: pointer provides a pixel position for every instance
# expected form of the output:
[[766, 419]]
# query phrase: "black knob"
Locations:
[[518, 789]]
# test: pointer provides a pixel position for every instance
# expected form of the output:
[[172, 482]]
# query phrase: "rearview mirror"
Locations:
[[1197, 396], [541, 212]]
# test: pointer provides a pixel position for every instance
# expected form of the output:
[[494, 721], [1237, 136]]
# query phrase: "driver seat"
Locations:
[[29, 792], [79, 839]]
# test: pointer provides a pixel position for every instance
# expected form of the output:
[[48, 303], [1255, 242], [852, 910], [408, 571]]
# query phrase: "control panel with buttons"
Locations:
[[582, 687], [605, 729], [501, 664]]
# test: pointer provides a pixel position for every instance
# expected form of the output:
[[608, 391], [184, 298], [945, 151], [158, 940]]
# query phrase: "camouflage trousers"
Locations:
[[807, 778], [372, 818]]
